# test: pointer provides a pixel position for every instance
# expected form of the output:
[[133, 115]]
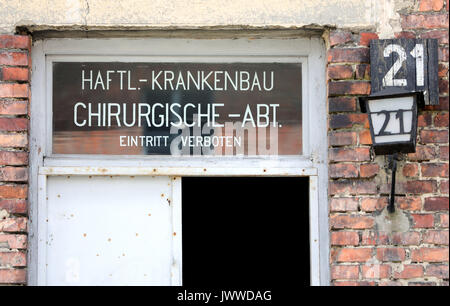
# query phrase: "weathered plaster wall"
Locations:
[[378, 15]]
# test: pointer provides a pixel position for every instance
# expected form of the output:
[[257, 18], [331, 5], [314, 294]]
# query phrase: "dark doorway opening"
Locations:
[[251, 232]]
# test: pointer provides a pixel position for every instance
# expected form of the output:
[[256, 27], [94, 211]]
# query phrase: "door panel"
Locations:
[[109, 230]]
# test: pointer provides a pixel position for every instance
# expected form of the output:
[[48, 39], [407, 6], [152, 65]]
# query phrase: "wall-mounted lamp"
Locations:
[[393, 125]]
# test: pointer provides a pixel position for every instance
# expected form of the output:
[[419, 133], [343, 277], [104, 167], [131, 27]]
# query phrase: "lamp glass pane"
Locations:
[[392, 138], [391, 104], [407, 121], [392, 119]]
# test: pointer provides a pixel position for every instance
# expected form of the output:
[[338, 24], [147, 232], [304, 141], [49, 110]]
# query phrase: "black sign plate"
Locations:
[[406, 64]]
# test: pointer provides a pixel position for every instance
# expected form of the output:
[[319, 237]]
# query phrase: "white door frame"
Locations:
[[313, 163]]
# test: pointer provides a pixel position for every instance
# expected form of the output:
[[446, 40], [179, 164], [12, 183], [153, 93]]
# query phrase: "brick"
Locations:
[[13, 276], [349, 88], [406, 238], [430, 255], [13, 224], [13, 174], [436, 203], [353, 283], [443, 220], [391, 254], [409, 271], [13, 259], [343, 171], [440, 35], [420, 187], [13, 90], [366, 37], [422, 220], [342, 138], [373, 204], [411, 170], [13, 124], [376, 271], [351, 222], [369, 170], [364, 187], [441, 120], [348, 55], [340, 72], [442, 70], [374, 238], [434, 136], [339, 37], [341, 104], [13, 158], [14, 206], [14, 42], [12, 107], [421, 21], [443, 104], [13, 58], [422, 153], [386, 187], [13, 241], [14, 74], [342, 187], [431, 5], [13, 191], [405, 34], [13, 140], [343, 204], [344, 272], [344, 238], [444, 187], [436, 237], [354, 255], [350, 155], [365, 138], [434, 170], [443, 153], [409, 203], [443, 85], [443, 56], [424, 119], [347, 120], [362, 72], [439, 271]]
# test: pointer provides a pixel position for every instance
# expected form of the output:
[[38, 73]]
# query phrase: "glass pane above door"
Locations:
[[217, 109]]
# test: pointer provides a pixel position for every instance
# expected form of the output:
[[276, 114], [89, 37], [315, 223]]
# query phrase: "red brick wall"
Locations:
[[14, 93], [365, 250]]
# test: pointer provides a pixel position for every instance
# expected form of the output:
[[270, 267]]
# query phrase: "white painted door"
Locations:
[[111, 230]]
